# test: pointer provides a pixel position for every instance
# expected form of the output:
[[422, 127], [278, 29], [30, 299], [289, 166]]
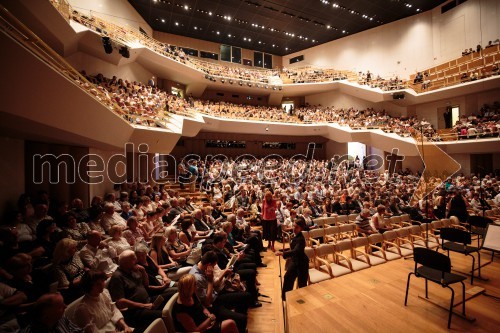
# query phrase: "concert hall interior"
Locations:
[[250, 166]]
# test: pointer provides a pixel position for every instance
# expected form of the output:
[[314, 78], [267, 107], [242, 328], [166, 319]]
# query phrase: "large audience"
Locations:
[[145, 104], [119, 260]]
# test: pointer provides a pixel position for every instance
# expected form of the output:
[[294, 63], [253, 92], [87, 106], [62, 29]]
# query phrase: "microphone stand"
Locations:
[[282, 305]]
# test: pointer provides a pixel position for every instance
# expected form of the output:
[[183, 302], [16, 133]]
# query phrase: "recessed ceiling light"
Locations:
[[186, 7], [286, 48], [229, 35], [260, 42], [195, 28], [328, 26], [163, 20], [210, 13], [177, 23], [218, 33]]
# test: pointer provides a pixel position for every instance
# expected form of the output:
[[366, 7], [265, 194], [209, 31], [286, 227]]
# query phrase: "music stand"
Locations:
[[491, 240]]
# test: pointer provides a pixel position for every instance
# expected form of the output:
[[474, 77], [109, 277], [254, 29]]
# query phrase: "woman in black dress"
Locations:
[[457, 206], [191, 316], [297, 260]]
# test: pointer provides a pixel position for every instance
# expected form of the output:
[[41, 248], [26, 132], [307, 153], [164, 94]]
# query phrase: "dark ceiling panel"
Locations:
[[291, 25]]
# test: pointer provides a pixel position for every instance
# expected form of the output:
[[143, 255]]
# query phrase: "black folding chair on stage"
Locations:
[[436, 267], [459, 241]]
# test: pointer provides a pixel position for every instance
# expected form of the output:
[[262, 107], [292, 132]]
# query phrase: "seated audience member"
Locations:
[[98, 254], [126, 288], [217, 213], [126, 211], [47, 315], [69, 269], [190, 315], [159, 255], [134, 234], [11, 300], [363, 223], [247, 271], [117, 242], [111, 218], [221, 304], [177, 250], [19, 268], [377, 221], [174, 213], [74, 230], [158, 283], [96, 312]]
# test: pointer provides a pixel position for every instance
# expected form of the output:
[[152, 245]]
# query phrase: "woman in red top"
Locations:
[[269, 222]]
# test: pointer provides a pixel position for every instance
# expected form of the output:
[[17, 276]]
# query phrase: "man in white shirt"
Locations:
[[111, 218]]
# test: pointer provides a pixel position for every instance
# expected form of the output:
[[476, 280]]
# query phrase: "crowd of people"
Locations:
[[312, 74], [123, 257], [485, 125], [368, 79]]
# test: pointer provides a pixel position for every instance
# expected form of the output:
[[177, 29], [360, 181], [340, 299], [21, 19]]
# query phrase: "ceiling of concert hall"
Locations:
[[274, 26]]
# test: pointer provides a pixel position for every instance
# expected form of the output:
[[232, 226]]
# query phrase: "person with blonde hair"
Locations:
[[117, 241], [269, 220], [69, 268], [159, 255], [191, 316], [177, 250]]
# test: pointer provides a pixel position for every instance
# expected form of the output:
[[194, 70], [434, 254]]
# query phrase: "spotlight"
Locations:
[[231, 81], [207, 77], [240, 83], [280, 88], [267, 128], [249, 84], [222, 80], [106, 43], [124, 52], [266, 86], [274, 88]]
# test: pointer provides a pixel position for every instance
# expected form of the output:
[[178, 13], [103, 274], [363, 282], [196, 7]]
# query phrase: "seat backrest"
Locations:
[[324, 250], [479, 221], [395, 220], [405, 218], [330, 220], [157, 326], [343, 245], [375, 238], [167, 313], [403, 232], [390, 235], [432, 259], [347, 228], [415, 230], [455, 235], [320, 221], [352, 217], [341, 219], [332, 230], [359, 241], [446, 222], [317, 233], [436, 225]]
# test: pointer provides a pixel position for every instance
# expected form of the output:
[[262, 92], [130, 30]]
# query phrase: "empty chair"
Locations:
[[395, 221], [157, 326], [315, 273], [375, 239], [330, 220], [320, 221], [404, 238], [328, 257], [478, 225], [436, 267], [372, 258], [348, 231], [431, 240], [317, 234], [310, 242], [391, 244], [332, 234], [456, 240], [352, 262]]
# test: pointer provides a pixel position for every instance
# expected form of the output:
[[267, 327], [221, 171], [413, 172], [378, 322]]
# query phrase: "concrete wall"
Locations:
[[131, 71], [411, 44]]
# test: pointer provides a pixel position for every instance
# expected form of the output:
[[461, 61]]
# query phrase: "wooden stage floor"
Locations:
[[372, 300]]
